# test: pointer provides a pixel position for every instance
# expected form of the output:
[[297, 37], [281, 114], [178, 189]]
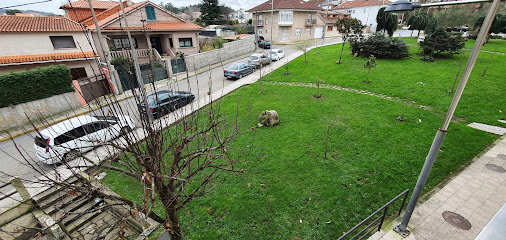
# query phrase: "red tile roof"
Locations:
[[115, 16], [38, 24], [285, 4], [95, 4], [103, 15], [46, 57], [362, 3], [172, 25]]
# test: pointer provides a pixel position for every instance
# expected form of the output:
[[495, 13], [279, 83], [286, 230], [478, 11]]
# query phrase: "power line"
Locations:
[[26, 4]]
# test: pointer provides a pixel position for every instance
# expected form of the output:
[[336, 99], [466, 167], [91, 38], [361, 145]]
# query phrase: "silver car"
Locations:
[[258, 59], [237, 70]]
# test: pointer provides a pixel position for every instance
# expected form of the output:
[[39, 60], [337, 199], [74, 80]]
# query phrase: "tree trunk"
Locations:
[[342, 49], [305, 59], [368, 71]]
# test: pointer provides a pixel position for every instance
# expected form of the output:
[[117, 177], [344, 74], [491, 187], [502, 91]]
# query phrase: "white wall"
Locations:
[[367, 15], [19, 44]]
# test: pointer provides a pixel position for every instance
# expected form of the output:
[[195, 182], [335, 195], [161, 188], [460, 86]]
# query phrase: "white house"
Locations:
[[365, 11], [240, 15]]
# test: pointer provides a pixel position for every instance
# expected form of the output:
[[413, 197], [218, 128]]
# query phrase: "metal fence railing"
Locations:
[[377, 222]]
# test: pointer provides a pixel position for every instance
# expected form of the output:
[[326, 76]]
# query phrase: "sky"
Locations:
[[54, 5]]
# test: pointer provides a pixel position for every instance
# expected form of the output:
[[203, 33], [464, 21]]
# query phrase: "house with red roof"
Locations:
[[153, 28], [364, 10], [290, 21]]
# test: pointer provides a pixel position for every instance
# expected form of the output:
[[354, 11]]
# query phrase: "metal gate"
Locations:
[[178, 65], [149, 74], [94, 87]]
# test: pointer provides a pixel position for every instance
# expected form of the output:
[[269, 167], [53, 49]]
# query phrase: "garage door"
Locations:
[[318, 32]]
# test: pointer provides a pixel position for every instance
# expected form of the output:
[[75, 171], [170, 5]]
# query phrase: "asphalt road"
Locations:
[[15, 155]]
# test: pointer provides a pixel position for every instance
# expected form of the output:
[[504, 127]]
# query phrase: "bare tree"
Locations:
[[303, 46], [348, 27]]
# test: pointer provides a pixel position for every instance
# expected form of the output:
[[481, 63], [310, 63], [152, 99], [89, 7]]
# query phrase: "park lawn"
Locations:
[[429, 82], [289, 191], [493, 45]]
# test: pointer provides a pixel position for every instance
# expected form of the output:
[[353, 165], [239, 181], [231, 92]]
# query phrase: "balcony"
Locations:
[[285, 23], [258, 22], [310, 22]]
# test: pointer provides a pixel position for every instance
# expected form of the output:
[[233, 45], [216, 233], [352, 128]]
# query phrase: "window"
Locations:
[[308, 31], [330, 28], [78, 73], [95, 127], [259, 31], [123, 43], [171, 43], [185, 42], [285, 17], [309, 16], [266, 21], [150, 13], [284, 34], [70, 135], [63, 42], [298, 31]]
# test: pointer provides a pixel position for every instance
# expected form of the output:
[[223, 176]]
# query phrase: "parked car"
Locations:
[[258, 59], [67, 139], [276, 54], [260, 38], [162, 102], [237, 70], [264, 44]]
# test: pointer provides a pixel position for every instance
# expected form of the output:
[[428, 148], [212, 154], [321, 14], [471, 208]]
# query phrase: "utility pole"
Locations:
[[272, 23], [137, 67], [119, 89], [326, 16]]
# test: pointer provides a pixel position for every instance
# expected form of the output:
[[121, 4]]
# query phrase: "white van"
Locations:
[[65, 140]]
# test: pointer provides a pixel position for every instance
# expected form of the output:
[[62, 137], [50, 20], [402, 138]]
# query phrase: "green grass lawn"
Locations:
[[372, 157]]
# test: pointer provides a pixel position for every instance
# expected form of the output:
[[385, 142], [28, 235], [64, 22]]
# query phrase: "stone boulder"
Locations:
[[268, 118]]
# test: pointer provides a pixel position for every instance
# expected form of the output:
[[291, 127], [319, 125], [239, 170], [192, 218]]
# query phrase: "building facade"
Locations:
[[287, 21], [365, 11]]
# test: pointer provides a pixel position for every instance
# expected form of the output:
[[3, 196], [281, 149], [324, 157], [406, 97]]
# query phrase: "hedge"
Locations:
[[31, 85]]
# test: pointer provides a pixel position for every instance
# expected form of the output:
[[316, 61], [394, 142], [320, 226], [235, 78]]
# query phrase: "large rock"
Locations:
[[268, 118]]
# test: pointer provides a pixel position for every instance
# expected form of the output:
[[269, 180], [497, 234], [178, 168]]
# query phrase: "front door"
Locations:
[[156, 44]]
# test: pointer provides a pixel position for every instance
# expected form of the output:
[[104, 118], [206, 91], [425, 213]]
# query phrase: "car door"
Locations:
[[97, 132]]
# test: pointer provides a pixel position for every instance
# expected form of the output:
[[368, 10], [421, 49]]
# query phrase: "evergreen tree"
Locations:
[[211, 12]]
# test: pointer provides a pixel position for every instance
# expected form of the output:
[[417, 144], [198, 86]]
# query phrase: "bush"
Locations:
[[120, 61], [427, 58], [207, 47], [442, 42], [218, 43], [495, 37], [381, 47], [31, 85]]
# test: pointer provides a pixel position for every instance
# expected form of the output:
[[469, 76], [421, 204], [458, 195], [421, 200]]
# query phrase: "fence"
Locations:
[[374, 225]]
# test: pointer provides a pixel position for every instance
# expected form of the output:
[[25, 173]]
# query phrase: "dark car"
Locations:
[[163, 102], [264, 44], [260, 38], [238, 70]]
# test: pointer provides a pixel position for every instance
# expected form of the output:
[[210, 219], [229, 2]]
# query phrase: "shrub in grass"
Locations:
[[442, 42], [381, 47], [427, 58], [495, 37]]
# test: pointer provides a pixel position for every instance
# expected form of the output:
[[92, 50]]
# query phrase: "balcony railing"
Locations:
[[310, 21], [128, 53], [285, 23], [259, 22]]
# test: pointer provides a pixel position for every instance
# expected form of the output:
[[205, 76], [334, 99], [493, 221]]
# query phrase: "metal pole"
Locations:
[[326, 17], [441, 133], [136, 66], [105, 51], [272, 23]]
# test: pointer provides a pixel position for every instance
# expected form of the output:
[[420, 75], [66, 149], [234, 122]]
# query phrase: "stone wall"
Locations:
[[14, 116], [228, 51]]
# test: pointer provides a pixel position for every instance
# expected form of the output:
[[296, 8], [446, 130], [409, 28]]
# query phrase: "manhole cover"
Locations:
[[456, 220], [501, 156], [495, 168]]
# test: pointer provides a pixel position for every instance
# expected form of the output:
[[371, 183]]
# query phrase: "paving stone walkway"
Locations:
[[488, 128], [477, 193]]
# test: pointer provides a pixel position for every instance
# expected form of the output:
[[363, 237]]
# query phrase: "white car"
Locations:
[[276, 54], [67, 139]]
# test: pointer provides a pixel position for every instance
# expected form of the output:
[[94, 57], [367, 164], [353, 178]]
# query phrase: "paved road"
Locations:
[[14, 163]]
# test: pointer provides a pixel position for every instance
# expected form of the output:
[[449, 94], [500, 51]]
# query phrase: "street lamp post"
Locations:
[[406, 6]]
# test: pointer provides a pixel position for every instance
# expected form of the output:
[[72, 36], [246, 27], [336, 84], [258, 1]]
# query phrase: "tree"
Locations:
[[440, 42], [454, 16], [303, 46], [347, 27], [12, 12], [421, 21], [498, 25], [386, 21], [173, 165], [250, 21], [369, 63], [211, 12], [169, 6]]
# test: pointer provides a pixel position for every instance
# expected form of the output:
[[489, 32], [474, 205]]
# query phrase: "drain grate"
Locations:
[[501, 156], [456, 220], [495, 168]]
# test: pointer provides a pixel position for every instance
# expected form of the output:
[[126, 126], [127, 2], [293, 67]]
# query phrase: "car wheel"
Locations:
[[70, 155], [125, 130], [240, 76]]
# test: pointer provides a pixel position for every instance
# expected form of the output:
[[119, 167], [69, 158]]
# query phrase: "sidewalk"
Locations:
[[476, 194]]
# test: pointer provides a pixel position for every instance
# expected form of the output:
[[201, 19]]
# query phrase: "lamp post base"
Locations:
[[404, 233]]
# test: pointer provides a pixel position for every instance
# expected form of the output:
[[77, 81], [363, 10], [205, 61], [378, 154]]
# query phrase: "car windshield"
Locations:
[[253, 58], [273, 52], [233, 66]]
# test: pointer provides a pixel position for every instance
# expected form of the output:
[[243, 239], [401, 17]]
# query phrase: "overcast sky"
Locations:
[[53, 5]]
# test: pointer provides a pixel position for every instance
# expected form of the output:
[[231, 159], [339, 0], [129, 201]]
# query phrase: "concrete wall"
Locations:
[[230, 50], [14, 116], [298, 22], [19, 44]]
